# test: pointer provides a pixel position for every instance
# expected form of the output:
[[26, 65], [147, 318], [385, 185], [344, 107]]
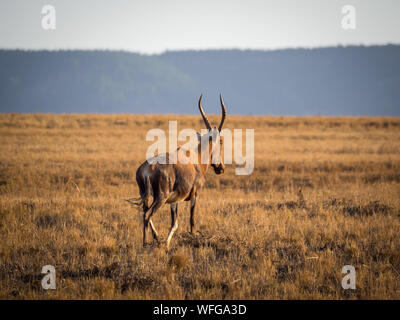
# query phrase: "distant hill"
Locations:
[[327, 81]]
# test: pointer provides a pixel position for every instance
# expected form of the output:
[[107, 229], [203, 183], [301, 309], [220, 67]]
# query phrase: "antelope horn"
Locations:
[[207, 123], [223, 113]]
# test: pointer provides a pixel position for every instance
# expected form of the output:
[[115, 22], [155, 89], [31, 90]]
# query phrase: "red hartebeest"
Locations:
[[172, 183]]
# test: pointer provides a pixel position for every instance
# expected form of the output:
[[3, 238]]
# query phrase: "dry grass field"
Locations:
[[64, 178]]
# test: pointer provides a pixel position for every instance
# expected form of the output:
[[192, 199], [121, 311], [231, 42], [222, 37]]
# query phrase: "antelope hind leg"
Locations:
[[174, 222], [157, 203], [154, 231], [192, 212]]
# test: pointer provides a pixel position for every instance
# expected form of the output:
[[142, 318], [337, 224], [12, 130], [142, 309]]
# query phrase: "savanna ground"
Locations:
[[64, 178]]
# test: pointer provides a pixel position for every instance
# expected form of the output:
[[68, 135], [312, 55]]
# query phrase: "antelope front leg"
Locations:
[[174, 222], [192, 212]]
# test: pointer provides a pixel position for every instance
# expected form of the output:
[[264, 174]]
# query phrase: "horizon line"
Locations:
[[199, 50], [195, 115]]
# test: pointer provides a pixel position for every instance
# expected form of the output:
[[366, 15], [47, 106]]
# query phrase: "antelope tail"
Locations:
[[145, 193], [135, 201]]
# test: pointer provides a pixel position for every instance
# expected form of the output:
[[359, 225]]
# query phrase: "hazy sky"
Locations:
[[154, 26]]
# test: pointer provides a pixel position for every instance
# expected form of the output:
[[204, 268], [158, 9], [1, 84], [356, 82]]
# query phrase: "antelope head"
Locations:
[[215, 139]]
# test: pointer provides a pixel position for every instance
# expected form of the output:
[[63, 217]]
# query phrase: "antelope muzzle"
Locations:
[[219, 168]]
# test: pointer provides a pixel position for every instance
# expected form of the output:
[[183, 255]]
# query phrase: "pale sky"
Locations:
[[154, 26]]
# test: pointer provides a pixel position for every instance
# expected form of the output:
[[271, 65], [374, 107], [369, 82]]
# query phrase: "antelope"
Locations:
[[172, 183]]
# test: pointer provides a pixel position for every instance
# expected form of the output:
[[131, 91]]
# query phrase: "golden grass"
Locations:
[[63, 179]]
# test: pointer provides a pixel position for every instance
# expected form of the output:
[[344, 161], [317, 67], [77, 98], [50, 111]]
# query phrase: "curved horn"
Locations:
[[207, 123], [223, 113]]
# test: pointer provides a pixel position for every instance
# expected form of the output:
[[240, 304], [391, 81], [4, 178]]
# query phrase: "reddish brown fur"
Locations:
[[172, 183]]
